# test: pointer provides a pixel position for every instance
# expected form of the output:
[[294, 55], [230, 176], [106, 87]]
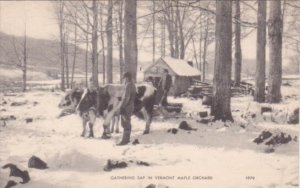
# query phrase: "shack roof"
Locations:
[[178, 66]]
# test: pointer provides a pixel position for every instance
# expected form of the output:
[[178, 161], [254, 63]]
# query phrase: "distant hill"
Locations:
[[43, 54], [44, 57]]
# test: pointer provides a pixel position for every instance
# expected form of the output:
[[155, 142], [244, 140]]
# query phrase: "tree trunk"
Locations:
[[109, 62], [86, 55], [103, 47], [222, 71], [176, 37], [260, 75], [109, 25], [24, 67], [200, 39], [130, 50], [205, 49], [67, 59], [170, 21], [62, 43], [275, 43], [74, 57], [238, 50], [163, 36], [95, 44], [181, 54], [182, 45], [153, 32], [121, 60], [195, 53]]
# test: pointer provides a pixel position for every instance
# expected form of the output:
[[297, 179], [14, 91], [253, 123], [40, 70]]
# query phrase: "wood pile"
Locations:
[[165, 111], [200, 89]]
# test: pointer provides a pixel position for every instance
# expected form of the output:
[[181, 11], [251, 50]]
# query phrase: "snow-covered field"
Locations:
[[212, 156]]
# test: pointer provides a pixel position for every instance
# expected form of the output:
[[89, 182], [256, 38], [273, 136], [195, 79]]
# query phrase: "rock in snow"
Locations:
[[135, 142], [29, 120], [281, 138], [16, 172], [273, 139], [151, 186], [35, 162], [263, 136], [114, 164], [10, 184], [142, 163], [173, 131], [294, 117], [185, 126]]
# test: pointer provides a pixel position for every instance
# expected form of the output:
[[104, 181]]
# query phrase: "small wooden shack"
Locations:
[[181, 71]]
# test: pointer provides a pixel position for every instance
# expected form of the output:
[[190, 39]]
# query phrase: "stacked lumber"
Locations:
[[168, 109], [200, 89], [243, 88]]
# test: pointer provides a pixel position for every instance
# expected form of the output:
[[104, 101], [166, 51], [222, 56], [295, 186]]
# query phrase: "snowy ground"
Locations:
[[213, 156]]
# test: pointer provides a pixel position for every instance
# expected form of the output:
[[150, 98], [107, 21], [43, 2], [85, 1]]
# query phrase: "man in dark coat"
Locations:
[[94, 87], [165, 85], [127, 107]]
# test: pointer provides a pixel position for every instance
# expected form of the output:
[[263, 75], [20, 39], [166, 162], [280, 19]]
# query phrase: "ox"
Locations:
[[70, 101], [108, 98]]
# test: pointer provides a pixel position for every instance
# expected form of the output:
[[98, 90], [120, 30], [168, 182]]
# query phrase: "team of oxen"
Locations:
[[104, 102]]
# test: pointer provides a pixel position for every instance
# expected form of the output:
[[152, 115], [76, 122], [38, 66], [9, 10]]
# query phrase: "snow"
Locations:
[[16, 74], [212, 156], [181, 67]]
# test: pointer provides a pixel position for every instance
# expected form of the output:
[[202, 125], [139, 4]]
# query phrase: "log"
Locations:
[[203, 114], [173, 109], [207, 100], [265, 109]]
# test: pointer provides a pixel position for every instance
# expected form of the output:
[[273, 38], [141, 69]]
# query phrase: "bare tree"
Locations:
[[181, 25], [78, 14], [153, 32], [275, 43], [238, 49], [195, 53], [74, 55], [60, 13], [200, 39], [109, 27], [95, 44], [24, 67], [130, 51], [176, 16], [120, 37], [259, 94], [66, 54], [222, 71], [205, 46], [86, 53], [163, 36], [103, 47], [291, 35], [21, 57]]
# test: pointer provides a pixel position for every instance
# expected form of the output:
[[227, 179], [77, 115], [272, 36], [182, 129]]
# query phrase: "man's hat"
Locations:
[[127, 75]]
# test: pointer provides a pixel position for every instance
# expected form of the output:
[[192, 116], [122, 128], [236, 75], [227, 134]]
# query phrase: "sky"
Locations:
[[40, 22], [39, 17]]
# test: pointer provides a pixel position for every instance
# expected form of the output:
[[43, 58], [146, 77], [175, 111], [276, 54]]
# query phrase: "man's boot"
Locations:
[[106, 133], [125, 139], [105, 136]]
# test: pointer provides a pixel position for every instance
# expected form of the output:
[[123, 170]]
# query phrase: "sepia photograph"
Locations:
[[149, 93]]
